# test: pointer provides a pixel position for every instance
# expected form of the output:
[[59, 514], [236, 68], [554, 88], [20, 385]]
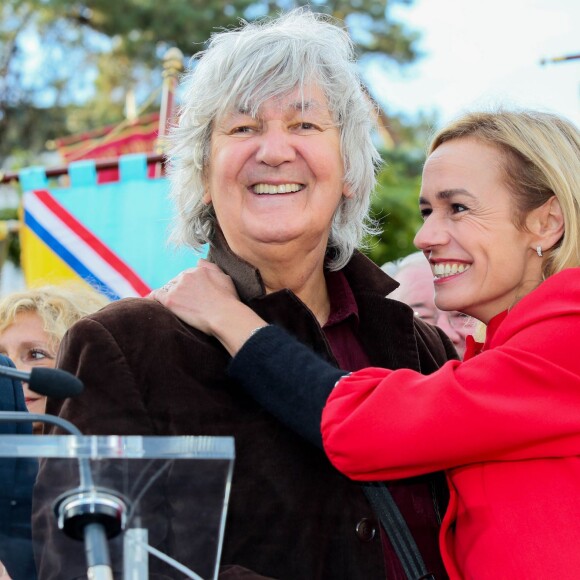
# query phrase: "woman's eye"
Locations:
[[425, 212], [458, 207], [37, 354]]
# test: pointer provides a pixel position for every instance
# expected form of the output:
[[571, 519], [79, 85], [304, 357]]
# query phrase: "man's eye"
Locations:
[[306, 126], [241, 129], [461, 319]]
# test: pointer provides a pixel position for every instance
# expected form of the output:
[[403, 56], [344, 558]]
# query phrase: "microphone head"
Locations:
[[54, 383]]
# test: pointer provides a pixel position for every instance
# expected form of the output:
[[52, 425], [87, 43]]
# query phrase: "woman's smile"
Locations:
[[446, 270]]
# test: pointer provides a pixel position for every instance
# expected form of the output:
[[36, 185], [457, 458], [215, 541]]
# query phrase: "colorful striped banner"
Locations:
[[113, 236]]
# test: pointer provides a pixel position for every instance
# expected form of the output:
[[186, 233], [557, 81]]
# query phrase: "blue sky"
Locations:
[[480, 53]]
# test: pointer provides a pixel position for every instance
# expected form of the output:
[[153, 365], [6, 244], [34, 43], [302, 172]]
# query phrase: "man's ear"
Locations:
[[547, 224], [206, 198], [347, 190]]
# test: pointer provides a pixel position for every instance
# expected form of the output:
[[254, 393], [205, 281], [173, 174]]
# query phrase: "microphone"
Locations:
[[87, 513], [46, 381]]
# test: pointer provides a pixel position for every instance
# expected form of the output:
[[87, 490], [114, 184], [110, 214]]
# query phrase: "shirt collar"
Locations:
[[342, 301]]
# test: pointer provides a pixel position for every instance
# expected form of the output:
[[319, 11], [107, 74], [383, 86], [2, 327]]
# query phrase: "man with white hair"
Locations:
[[272, 164]]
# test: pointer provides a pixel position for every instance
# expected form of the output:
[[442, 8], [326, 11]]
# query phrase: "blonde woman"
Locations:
[[33, 322]]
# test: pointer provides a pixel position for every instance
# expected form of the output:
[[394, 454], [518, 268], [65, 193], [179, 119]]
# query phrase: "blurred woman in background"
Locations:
[[33, 322]]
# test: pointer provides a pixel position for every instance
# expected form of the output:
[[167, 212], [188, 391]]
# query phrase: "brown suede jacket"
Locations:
[[291, 515]]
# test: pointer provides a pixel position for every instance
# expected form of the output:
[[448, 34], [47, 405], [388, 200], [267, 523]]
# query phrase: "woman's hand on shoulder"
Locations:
[[205, 298], [197, 295]]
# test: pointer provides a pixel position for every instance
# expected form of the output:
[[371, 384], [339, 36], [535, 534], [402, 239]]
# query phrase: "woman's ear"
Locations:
[[547, 223], [206, 197]]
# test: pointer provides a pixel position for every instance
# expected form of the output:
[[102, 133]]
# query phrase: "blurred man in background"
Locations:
[[415, 277]]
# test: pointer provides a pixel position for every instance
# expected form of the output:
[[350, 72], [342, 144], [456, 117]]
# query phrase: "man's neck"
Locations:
[[303, 275]]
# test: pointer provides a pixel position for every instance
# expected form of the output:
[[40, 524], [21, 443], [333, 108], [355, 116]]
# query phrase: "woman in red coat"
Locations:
[[501, 205]]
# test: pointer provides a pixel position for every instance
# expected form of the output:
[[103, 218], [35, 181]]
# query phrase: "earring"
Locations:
[[539, 251]]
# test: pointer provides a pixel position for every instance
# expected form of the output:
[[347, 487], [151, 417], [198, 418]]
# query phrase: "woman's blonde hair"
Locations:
[[541, 159], [58, 306]]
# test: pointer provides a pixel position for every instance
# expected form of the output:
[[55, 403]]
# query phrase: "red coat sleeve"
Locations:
[[518, 400]]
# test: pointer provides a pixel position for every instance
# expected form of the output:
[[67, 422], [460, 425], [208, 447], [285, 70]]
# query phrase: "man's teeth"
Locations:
[[267, 188], [449, 269]]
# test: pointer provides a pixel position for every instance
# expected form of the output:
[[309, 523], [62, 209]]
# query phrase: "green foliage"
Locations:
[[26, 131], [10, 246], [66, 67], [394, 206]]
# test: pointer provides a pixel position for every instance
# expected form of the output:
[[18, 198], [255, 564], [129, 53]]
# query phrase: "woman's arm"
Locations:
[[517, 401], [286, 378], [280, 373]]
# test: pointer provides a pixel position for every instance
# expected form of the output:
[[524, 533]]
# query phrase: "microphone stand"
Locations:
[[90, 513], [86, 513]]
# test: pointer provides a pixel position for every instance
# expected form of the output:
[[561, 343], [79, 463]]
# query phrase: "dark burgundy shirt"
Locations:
[[342, 325], [414, 497]]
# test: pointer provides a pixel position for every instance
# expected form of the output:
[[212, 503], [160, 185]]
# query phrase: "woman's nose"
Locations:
[[431, 233], [21, 366], [276, 147]]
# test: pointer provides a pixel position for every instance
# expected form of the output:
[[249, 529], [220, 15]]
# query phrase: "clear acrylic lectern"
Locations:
[[162, 501]]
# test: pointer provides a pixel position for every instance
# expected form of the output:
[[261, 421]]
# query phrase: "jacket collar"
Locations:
[[362, 274], [246, 278], [389, 332]]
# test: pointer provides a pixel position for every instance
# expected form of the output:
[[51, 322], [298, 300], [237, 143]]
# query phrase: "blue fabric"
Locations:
[[133, 167], [17, 477], [33, 178], [132, 218], [82, 173]]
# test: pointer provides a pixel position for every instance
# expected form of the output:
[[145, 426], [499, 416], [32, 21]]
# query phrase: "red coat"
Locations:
[[505, 425]]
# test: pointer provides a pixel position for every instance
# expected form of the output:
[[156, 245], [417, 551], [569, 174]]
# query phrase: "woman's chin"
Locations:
[[36, 406]]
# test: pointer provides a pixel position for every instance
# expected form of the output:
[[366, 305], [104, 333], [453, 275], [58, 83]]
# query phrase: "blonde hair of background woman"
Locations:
[[59, 307]]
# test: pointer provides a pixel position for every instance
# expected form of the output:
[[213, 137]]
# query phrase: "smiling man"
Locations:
[[273, 165]]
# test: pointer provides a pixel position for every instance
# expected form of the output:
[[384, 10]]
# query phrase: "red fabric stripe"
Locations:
[[112, 259]]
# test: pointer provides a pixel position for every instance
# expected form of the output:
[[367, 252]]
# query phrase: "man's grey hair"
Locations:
[[243, 68], [395, 267]]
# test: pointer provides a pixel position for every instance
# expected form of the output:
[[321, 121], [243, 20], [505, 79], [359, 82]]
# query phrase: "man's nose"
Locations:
[[276, 147], [444, 323]]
